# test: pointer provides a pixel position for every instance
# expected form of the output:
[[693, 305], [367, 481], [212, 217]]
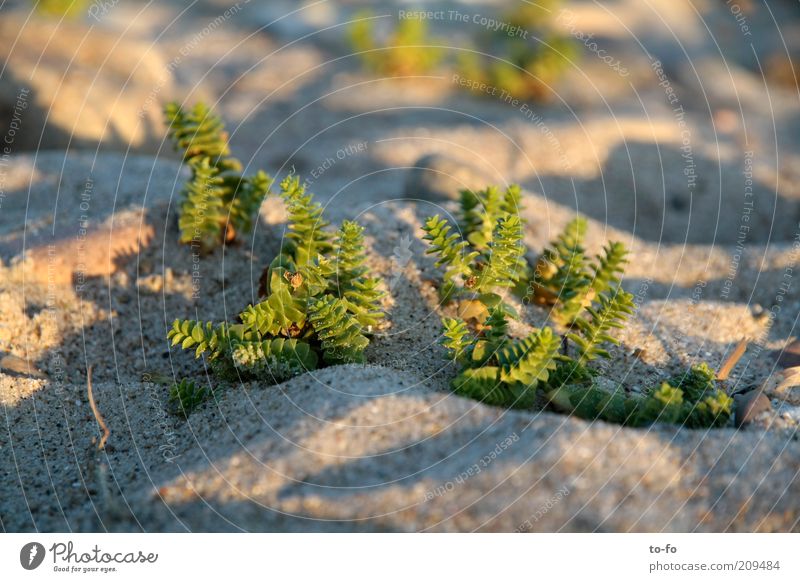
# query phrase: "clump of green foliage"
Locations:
[[69, 8], [320, 305], [520, 65], [491, 255], [565, 277], [218, 201], [523, 66], [520, 69], [480, 210], [186, 395], [496, 369], [694, 401], [587, 298], [406, 51]]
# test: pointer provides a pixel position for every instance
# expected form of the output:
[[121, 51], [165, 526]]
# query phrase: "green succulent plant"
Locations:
[[518, 68], [481, 209], [522, 68], [665, 404], [320, 304], [488, 259], [564, 277], [609, 312], [186, 395], [406, 51], [68, 8], [517, 367], [525, 64], [498, 369], [218, 202]]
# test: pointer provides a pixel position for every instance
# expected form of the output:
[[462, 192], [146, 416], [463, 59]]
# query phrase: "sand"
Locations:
[[386, 446]]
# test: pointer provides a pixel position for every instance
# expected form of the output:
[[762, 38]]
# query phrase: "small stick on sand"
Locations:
[[96, 412], [733, 359]]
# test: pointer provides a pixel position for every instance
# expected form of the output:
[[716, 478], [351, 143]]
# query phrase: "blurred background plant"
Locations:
[[528, 62], [70, 8], [406, 50], [524, 57]]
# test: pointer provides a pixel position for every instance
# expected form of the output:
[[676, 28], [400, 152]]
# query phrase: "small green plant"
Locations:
[[504, 371], [521, 70], [567, 279], [321, 304], [491, 254], [694, 401], [218, 201], [480, 210], [68, 8], [498, 369], [521, 65], [406, 51], [185, 396]]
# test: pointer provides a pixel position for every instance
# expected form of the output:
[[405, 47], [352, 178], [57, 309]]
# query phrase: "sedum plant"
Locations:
[[186, 395], [694, 401], [320, 303], [557, 371], [66, 8], [533, 53], [218, 202], [406, 51], [480, 210], [565, 278], [527, 67], [524, 70], [490, 255], [496, 369]]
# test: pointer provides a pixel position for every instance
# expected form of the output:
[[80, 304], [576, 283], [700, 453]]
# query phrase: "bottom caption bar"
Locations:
[[355, 557]]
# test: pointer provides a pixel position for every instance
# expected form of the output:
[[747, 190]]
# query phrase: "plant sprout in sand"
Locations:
[[552, 368], [321, 304]]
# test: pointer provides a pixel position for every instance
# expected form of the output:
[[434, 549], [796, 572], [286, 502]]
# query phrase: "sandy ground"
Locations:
[[386, 447]]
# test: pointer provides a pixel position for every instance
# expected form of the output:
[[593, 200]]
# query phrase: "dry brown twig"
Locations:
[[96, 412], [732, 360]]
